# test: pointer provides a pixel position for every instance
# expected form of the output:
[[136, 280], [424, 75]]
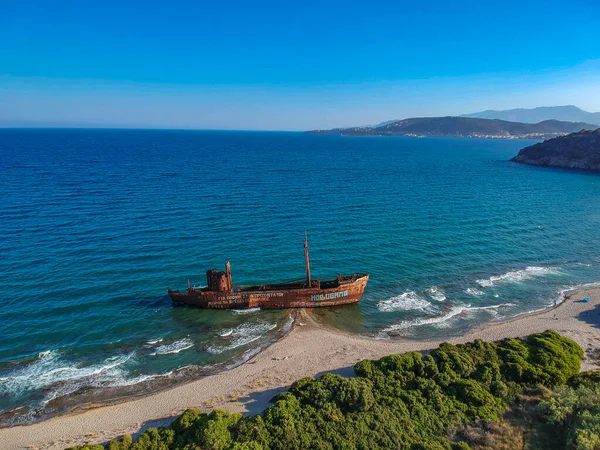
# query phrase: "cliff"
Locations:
[[579, 150]]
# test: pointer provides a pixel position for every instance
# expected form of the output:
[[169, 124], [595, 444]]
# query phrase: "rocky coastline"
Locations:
[[579, 150]]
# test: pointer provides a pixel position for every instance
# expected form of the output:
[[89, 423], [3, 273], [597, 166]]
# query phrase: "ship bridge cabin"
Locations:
[[219, 281]]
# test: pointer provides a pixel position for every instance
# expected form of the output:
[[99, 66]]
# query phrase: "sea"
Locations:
[[95, 225]]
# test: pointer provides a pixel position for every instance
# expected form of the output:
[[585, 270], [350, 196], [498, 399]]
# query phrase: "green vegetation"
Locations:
[[574, 411], [408, 401]]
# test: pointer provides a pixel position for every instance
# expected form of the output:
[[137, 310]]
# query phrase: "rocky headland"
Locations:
[[579, 150]]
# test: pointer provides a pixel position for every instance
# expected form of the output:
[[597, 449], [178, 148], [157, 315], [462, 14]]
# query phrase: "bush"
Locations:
[[407, 401], [589, 379], [121, 444], [155, 439], [546, 358], [86, 447], [575, 412]]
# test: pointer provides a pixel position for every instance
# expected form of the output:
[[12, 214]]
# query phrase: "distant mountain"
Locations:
[[574, 151], [464, 127], [382, 124], [567, 113]]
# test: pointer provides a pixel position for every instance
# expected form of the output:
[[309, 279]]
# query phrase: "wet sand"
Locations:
[[310, 349]]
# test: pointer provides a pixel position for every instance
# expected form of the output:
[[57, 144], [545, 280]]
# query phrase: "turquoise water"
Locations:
[[96, 224]]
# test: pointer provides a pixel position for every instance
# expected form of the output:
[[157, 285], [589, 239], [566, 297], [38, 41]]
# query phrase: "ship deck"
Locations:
[[323, 284]]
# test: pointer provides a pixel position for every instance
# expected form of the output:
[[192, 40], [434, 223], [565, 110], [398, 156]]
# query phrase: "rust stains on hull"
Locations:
[[220, 294], [343, 291]]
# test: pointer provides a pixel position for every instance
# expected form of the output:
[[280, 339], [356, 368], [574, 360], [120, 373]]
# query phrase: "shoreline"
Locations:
[[188, 375], [310, 348]]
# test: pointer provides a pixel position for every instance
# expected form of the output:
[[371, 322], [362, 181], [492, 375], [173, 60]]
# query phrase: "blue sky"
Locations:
[[290, 65]]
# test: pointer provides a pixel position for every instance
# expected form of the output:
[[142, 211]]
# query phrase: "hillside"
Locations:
[[575, 151], [464, 127], [567, 113]]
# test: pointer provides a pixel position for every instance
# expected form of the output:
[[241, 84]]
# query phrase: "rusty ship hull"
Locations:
[[343, 291], [220, 293]]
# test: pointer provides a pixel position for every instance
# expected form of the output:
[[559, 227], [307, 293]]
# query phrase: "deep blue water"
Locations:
[[96, 224]]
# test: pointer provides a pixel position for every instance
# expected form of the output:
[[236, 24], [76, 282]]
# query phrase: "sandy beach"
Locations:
[[310, 349]]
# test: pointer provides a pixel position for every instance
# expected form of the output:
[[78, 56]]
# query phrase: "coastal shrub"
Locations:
[[195, 430], [545, 358], [589, 379], [86, 447], [575, 413], [252, 434], [155, 439], [409, 401], [124, 443]]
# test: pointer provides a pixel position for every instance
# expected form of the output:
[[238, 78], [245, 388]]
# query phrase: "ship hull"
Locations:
[[348, 292]]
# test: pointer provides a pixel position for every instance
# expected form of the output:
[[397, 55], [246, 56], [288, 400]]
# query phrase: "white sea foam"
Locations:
[[436, 293], [517, 276], [245, 311], [175, 347], [243, 334], [246, 356], [439, 320], [287, 326], [473, 291], [154, 341], [568, 290], [60, 377], [409, 301], [583, 264]]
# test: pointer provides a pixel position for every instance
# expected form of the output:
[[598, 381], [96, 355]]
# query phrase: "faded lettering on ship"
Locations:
[[250, 295], [330, 296]]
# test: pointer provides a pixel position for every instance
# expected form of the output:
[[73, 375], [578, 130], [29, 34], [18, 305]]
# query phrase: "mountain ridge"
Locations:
[[456, 126], [567, 113]]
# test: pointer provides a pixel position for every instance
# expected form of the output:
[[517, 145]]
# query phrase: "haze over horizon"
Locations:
[[264, 66]]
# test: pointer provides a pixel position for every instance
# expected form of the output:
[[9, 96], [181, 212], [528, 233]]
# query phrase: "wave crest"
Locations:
[[51, 372], [517, 276], [243, 334], [409, 301], [437, 293], [455, 311], [175, 347], [473, 291], [245, 311]]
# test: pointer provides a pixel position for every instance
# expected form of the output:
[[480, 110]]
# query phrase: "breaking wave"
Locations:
[[409, 301], [456, 311], [243, 334], [473, 291], [436, 293], [59, 377], [175, 347], [517, 276], [568, 290], [245, 311]]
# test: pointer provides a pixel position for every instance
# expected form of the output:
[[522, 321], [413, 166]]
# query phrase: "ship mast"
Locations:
[[306, 259]]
